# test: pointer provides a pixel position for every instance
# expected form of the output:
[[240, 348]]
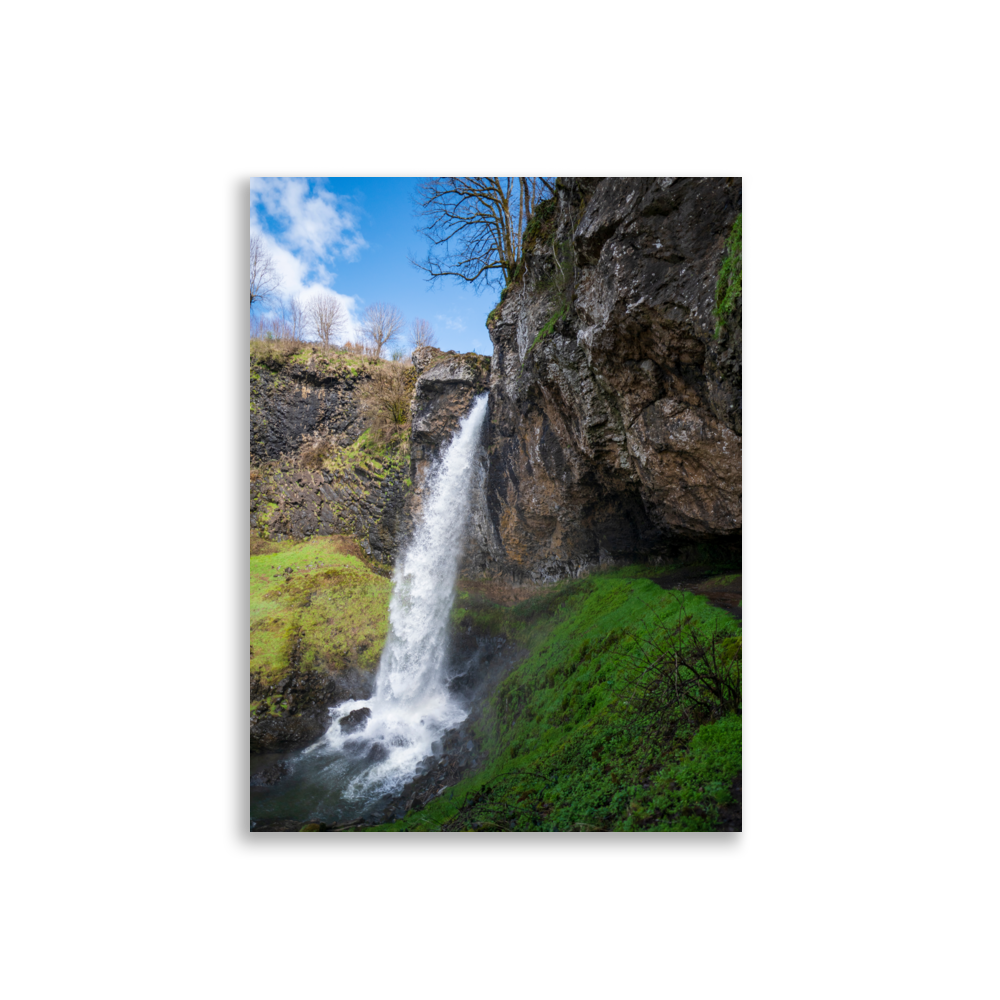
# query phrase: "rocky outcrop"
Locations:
[[615, 401], [302, 713], [447, 385]]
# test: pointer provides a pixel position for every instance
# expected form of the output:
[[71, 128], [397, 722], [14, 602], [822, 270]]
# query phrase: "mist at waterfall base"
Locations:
[[348, 773]]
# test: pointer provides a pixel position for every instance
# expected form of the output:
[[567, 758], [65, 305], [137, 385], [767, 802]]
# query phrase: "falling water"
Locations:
[[412, 706]]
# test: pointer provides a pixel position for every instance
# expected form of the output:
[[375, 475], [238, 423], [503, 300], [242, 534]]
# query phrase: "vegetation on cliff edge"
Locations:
[[729, 286]]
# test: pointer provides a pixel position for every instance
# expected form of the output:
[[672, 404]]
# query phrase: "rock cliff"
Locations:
[[447, 385], [313, 471], [615, 399]]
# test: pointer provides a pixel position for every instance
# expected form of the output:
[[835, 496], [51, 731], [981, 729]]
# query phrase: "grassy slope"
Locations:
[[331, 611], [567, 748]]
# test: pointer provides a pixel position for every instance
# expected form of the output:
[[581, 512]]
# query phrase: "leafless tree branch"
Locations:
[[475, 225], [381, 326], [264, 278], [421, 334], [327, 317]]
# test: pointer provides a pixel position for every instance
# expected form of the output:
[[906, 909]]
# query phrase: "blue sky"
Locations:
[[351, 236]]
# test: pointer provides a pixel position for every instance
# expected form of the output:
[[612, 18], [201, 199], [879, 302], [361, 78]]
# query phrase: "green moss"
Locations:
[[389, 457], [331, 611], [549, 326], [729, 285], [539, 225]]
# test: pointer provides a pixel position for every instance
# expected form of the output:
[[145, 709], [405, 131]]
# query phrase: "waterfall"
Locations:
[[412, 706]]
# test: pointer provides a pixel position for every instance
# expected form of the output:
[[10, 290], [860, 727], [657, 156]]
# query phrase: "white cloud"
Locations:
[[451, 324], [309, 232]]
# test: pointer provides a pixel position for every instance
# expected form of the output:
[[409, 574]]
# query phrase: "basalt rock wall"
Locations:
[[615, 401], [293, 401], [330, 486]]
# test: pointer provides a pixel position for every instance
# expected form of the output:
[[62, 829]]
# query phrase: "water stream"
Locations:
[[352, 770]]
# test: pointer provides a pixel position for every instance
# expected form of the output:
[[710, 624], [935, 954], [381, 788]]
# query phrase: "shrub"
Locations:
[[314, 449], [689, 671], [384, 401]]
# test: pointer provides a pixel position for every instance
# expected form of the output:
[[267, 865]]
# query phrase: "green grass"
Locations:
[[331, 611], [729, 286], [568, 743]]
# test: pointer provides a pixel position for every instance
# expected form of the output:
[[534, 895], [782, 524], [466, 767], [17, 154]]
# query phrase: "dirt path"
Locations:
[[726, 595]]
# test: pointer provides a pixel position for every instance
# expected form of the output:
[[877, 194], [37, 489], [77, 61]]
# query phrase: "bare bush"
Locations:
[[687, 670], [272, 340], [381, 326], [327, 317], [384, 401], [315, 449]]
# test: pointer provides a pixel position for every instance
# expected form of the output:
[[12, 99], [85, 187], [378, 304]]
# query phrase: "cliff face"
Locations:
[[291, 400], [615, 401], [313, 471], [615, 387]]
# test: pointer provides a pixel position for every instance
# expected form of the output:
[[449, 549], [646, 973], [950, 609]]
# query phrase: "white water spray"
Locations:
[[412, 706]]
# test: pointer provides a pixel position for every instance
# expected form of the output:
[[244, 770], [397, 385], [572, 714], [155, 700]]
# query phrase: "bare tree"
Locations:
[[264, 278], [294, 316], [269, 327], [475, 225], [421, 334], [326, 316], [381, 326]]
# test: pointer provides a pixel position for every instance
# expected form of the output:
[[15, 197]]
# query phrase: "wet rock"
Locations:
[[355, 720], [269, 775]]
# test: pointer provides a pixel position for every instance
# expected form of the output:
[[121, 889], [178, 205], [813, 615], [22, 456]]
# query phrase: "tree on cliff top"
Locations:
[[264, 279], [381, 326], [475, 225], [326, 316], [421, 334]]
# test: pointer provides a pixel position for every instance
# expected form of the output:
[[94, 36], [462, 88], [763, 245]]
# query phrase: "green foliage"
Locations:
[[571, 742], [729, 286]]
